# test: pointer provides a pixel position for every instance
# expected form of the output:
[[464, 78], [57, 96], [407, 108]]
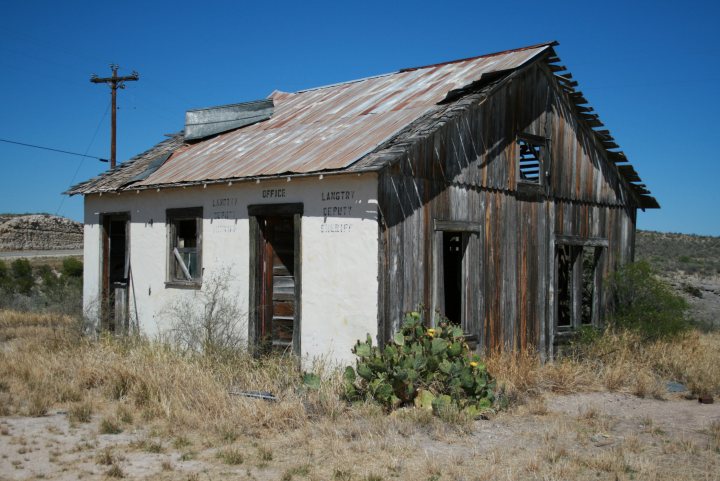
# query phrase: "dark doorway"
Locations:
[[115, 267], [452, 261], [275, 283]]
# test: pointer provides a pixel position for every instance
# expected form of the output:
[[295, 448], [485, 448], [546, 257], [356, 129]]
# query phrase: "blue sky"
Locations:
[[650, 69]]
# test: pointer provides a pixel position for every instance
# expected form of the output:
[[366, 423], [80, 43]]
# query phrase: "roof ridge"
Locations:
[[410, 69], [552, 43]]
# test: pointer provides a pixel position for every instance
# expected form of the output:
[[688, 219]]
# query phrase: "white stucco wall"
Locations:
[[339, 253]]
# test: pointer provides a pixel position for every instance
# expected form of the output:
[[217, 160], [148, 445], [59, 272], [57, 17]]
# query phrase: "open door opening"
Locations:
[[275, 282], [115, 269], [452, 265], [578, 284]]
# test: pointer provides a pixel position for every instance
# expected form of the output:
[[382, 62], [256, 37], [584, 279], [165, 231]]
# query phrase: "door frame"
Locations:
[[105, 287], [467, 229], [294, 210]]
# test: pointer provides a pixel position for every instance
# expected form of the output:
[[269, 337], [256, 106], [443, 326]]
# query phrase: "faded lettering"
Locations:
[[335, 228], [337, 211], [273, 193], [225, 202], [337, 195], [224, 214], [224, 229]]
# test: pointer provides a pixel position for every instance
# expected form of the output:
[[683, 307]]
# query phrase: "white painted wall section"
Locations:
[[339, 249]]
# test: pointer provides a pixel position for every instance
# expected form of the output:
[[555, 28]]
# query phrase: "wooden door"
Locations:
[[115, 266], [278, 304]]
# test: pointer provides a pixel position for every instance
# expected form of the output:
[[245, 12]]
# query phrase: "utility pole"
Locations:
[[115, 83]]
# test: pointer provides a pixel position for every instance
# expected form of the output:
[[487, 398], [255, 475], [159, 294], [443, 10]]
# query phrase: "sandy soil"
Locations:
[[658, 434]]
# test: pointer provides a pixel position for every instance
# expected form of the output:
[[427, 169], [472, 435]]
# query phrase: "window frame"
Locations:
[[172, 217], [532, 187], [576, 284], [469, 232]]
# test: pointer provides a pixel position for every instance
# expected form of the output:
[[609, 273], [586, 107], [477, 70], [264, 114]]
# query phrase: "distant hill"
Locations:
[[39, 232], [689, 254], [691, 265]]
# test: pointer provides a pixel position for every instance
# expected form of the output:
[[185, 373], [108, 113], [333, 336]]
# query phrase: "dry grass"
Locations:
[[29, 325], [616, 362], [150, 381], [182, 408]]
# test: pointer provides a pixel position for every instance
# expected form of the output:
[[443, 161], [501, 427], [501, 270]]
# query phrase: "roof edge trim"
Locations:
[[552, 43]]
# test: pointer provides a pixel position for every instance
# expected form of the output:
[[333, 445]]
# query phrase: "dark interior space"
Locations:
[[452, 275]]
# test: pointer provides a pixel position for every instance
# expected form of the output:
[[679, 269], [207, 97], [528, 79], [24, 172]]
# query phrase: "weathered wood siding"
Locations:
[[465, 170]]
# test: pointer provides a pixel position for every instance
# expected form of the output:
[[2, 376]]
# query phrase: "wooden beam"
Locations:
[[275, 209], [581, 241], [456, 226]]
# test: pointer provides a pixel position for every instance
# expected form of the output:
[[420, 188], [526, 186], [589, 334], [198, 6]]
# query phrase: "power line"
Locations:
[[51, 149], [97, 129]]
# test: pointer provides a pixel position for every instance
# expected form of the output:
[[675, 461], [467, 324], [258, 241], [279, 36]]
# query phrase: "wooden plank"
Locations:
[[254, 282], [275, 209], [297, 244], [456, 226]]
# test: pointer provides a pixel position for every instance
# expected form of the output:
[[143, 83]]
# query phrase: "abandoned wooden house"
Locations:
[[483, 189]]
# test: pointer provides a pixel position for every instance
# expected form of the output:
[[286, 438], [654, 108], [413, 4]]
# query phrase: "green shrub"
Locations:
[[72, 267], [644, 303], [5, 280], [430, 368], [22, 275]]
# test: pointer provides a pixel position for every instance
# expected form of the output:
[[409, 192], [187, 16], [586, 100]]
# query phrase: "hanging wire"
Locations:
[[97, 129]]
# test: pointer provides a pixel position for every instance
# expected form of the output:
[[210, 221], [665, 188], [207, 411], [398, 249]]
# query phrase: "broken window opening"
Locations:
[[564, 276], [578, 285], [530, 160], [185, 230], [589, 264]]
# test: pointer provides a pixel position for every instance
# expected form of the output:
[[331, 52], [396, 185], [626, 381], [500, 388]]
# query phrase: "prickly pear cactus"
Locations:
[[430, 368]]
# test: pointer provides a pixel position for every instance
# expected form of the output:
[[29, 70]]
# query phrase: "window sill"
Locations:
[[565, 331], [184, 284], [530, 190]]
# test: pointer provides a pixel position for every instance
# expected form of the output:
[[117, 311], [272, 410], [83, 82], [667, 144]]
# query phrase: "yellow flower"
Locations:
[[473, 363], [431, 332]]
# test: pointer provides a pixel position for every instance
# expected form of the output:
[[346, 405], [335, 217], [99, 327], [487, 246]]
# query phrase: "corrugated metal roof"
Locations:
[[329, 128], [123, 174]]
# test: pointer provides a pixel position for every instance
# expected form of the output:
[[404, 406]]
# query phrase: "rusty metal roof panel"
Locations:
[[329, 128], [129, 170]]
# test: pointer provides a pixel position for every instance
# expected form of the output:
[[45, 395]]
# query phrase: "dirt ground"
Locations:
[[581, 436]]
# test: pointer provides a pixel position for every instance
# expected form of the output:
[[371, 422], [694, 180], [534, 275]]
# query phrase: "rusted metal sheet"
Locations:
[[331, 127], [124, 173], [347, 127]]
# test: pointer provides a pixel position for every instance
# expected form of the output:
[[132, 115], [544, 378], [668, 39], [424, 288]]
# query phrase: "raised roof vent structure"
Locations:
[[202, 123]]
